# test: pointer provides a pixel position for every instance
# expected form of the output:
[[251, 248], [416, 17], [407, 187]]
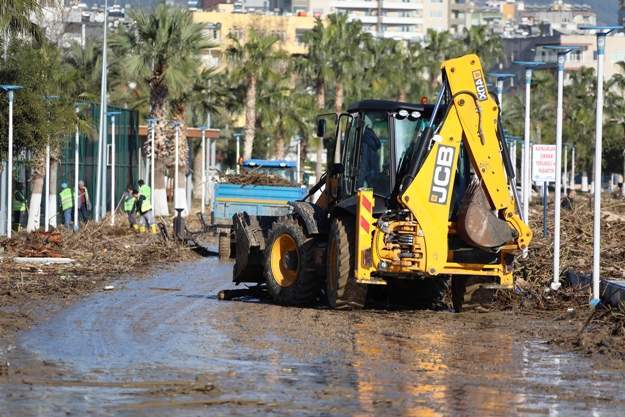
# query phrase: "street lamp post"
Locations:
[[177, 127], [203, 166], [299, 146], [101, 169], [562, 52], [76, 156], [10, 89], [500, 79], [602, 32], [237, 136], [526, 182], [572, 167], [565, 178], [112, 115], [153, 129]]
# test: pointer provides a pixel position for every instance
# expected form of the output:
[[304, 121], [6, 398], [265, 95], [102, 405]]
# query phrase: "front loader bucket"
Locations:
[[251, 234], [477, 225]]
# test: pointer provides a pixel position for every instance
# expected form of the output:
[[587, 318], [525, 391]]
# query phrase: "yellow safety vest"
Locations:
[[129, 202], [18, 205], [146, 191], [67, 198]]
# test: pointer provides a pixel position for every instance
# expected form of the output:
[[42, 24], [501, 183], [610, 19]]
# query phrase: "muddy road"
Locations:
[[166, 346]]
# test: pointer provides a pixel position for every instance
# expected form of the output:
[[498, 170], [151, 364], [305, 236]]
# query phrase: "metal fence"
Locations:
[[127, 152]]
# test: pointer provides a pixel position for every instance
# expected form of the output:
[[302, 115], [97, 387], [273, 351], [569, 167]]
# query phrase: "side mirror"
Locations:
[[305, 178], [321, 128]]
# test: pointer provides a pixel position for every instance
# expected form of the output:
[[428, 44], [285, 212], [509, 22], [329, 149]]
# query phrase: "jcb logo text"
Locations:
[[480, 87], [439, 192]]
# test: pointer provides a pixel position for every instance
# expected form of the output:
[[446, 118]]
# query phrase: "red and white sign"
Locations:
[[544, 163]]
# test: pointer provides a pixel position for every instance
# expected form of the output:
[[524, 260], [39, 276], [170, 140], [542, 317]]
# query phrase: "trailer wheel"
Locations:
[[224, 246], [458, 290], [344, 293], [289, 267]]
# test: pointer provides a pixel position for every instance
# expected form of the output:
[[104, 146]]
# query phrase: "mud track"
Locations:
[[164, 345]]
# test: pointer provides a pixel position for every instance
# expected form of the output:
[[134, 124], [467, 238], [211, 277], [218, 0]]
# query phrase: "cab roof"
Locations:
[[277, 164], [389, 106]]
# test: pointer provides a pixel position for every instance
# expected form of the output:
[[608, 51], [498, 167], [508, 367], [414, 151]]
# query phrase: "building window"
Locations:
[[299, 34], [436, 1], [436, 14], [406, 28], [407, 1], [406, 13], [616, 56], [384, 28]]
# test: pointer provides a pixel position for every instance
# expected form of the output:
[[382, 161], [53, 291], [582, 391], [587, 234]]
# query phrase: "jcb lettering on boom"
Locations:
[[442, 174], [480, 87]]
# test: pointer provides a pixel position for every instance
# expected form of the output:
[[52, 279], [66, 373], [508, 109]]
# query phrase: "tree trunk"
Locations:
[[303, 146], [321, 104], [54, 161], [159, 98], [280, 145], [180, 115], [38, 173], [338, 98], [402, 94], [250, 118], [321, 93]]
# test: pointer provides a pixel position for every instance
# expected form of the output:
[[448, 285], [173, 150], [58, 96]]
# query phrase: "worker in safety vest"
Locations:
[[129, 207], [19, 207], [145, 190], [144, 210], [84, 203], [67, 204]]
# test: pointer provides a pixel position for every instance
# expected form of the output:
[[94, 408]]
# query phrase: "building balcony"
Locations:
[[363, 19], [391, 5], [352, 5], [388, 20]]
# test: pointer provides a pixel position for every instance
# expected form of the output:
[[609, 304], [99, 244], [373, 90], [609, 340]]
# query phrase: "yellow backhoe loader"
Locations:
[[416, 193]]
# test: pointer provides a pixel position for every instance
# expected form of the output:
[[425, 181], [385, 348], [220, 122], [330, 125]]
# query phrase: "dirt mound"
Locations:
[[257, 179]]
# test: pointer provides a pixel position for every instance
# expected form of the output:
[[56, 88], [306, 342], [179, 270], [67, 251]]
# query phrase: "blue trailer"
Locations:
[[257, 200]]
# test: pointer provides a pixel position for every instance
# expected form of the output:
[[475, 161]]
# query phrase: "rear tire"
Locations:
[[224, 246], [344, 293], [288, 262]]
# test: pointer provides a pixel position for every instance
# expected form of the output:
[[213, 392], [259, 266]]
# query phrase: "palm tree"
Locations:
[[441, 47], [15, 18], [163, 48], [254, 60], [85, 66], [488, 47], [314, 68], [346, 42]]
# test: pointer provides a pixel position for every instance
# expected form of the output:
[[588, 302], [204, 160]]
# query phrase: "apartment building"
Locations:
[[533, 49]]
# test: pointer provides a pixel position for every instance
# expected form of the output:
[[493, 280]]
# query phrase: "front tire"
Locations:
[[344, 293], [288, 262]]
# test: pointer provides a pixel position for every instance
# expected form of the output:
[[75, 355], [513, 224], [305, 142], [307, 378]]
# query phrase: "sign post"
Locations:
[[544, 170]]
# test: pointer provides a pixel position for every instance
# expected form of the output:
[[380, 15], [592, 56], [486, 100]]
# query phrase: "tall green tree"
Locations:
[[163, 49], [253, 59], [15, 19]]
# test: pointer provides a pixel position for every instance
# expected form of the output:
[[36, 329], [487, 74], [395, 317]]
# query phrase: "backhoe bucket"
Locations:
[[251, 235], [477, 225]]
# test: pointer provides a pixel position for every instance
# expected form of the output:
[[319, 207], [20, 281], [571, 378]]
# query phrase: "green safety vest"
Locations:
[[86, 197], [67, 198], [18, 205], [145, 205], [146, 191], [129, 202]]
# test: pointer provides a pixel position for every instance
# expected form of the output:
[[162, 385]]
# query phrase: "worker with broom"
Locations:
[[19, 207], [143, 207]]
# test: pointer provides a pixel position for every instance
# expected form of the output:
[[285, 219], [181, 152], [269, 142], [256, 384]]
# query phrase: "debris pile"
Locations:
[[98, 251], [253, 178]]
